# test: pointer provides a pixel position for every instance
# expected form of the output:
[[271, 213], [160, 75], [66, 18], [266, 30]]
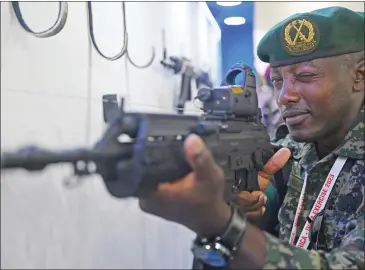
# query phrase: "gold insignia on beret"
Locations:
[[301, 36]]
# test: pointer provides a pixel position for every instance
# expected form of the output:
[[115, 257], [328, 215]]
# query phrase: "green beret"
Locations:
[[317, 34]]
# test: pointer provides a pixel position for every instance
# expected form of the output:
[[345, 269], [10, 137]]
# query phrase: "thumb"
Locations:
[[200, 158], [277, 161]]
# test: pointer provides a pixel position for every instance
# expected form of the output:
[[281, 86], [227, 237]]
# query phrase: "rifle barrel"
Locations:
[[34, 158]]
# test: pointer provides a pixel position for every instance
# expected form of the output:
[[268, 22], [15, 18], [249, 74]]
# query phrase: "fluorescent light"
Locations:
[[228, 4], [234, 21]]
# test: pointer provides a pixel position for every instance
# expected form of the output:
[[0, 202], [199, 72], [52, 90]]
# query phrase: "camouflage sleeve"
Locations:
[[349, 255]]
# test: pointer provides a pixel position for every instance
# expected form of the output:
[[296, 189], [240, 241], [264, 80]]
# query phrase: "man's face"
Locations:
[[313, 97]]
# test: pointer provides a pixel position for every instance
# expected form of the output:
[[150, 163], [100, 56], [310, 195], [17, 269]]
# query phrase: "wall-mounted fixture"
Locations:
[[228, 4], [234, 20]]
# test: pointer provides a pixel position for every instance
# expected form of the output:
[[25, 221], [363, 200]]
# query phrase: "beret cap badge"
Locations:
[[300, 36]]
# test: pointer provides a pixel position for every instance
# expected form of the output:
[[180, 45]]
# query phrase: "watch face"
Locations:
[[209, 255]]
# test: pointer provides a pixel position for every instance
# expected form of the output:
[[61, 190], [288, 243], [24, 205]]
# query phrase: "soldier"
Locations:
[[317, 62]]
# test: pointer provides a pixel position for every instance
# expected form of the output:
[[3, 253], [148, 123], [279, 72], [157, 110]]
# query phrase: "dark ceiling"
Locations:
[[245, 9]]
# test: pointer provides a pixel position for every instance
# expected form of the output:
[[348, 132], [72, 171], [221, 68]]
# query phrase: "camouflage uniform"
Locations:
[[344, 213], [327, 32]]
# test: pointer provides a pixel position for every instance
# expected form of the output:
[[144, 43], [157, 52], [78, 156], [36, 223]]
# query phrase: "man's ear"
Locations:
[[359, 83]]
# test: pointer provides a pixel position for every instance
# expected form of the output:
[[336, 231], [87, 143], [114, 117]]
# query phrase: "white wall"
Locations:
[[51, 95], [268, 14]]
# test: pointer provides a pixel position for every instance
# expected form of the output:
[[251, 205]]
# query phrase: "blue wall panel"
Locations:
[[237, 41], [237, 45]]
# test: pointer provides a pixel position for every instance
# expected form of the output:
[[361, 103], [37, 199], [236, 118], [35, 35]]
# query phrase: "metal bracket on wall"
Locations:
[[110, 107]]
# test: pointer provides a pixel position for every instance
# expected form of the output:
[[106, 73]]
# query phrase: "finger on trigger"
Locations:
[[277, 161]]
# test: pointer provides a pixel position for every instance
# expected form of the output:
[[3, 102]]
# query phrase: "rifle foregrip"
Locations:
[[167, 165], [172, 167], [160, 164]]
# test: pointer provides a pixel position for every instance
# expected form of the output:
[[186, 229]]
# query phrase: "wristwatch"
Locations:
[[218, 251]]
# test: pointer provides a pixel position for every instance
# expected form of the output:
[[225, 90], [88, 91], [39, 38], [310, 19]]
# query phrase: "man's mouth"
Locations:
[[293, 118]]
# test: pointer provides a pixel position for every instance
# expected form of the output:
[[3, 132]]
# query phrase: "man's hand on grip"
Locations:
[[254, 203], [196, 200]]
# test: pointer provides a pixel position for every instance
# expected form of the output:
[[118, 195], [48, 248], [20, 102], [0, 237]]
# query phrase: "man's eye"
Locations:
[[305, 76], [276, 81]]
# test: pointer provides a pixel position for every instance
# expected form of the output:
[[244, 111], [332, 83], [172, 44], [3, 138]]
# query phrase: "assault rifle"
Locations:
[[230, 126]]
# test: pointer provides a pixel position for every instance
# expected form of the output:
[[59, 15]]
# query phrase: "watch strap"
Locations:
[[236, 228], [228, 242]]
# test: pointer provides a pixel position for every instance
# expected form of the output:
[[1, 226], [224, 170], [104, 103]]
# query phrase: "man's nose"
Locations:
[[289, 94]]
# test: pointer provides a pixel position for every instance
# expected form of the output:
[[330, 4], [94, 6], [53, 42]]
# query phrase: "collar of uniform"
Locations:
[[308, 157], [353, 145]]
